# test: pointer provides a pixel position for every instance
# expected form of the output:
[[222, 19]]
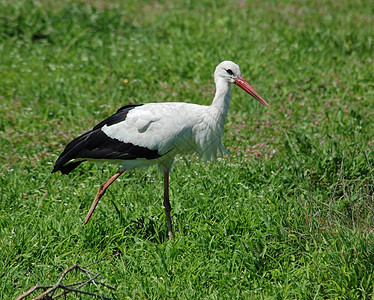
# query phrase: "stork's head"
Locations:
[[230, 73]]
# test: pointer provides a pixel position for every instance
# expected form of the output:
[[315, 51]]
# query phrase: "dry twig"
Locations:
[[49, 290]]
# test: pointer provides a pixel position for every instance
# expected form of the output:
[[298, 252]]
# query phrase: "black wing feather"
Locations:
[[119, 116], [95, 144]]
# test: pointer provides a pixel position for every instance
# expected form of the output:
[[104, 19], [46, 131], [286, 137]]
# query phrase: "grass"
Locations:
[[288, 215]]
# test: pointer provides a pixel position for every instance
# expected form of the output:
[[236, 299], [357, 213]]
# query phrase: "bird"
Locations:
[[142, 135]]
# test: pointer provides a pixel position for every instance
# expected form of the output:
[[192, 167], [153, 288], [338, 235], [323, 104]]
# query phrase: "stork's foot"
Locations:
[[167, 204], [101, 191]]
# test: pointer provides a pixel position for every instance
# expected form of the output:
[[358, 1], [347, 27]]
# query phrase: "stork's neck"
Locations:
[[221, 101]]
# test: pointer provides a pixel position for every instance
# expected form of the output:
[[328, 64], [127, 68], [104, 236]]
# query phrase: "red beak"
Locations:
[[242, 83]]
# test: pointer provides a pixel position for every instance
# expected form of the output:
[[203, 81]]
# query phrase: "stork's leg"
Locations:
[[100, 193], [167, 204]]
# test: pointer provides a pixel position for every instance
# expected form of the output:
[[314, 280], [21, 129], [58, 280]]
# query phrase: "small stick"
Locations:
[[49, 290]]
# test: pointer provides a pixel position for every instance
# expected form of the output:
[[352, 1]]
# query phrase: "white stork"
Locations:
[[141, 135]]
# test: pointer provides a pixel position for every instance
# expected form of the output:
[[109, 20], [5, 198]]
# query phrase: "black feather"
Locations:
[[95, 144], [119, 116], [68, 168]]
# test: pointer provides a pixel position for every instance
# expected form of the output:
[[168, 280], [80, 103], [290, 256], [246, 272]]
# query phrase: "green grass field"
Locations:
[[288, 215]]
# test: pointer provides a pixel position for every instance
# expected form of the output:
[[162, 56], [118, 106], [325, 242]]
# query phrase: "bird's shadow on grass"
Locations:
[[145, 228]]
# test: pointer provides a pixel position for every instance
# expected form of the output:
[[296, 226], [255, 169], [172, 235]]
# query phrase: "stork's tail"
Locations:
[[67, 161]]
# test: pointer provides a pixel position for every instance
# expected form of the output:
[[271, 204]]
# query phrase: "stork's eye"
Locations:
[[230, 71]]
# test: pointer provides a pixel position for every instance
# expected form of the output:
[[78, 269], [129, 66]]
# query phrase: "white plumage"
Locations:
[[170, 128], [152, 134]]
